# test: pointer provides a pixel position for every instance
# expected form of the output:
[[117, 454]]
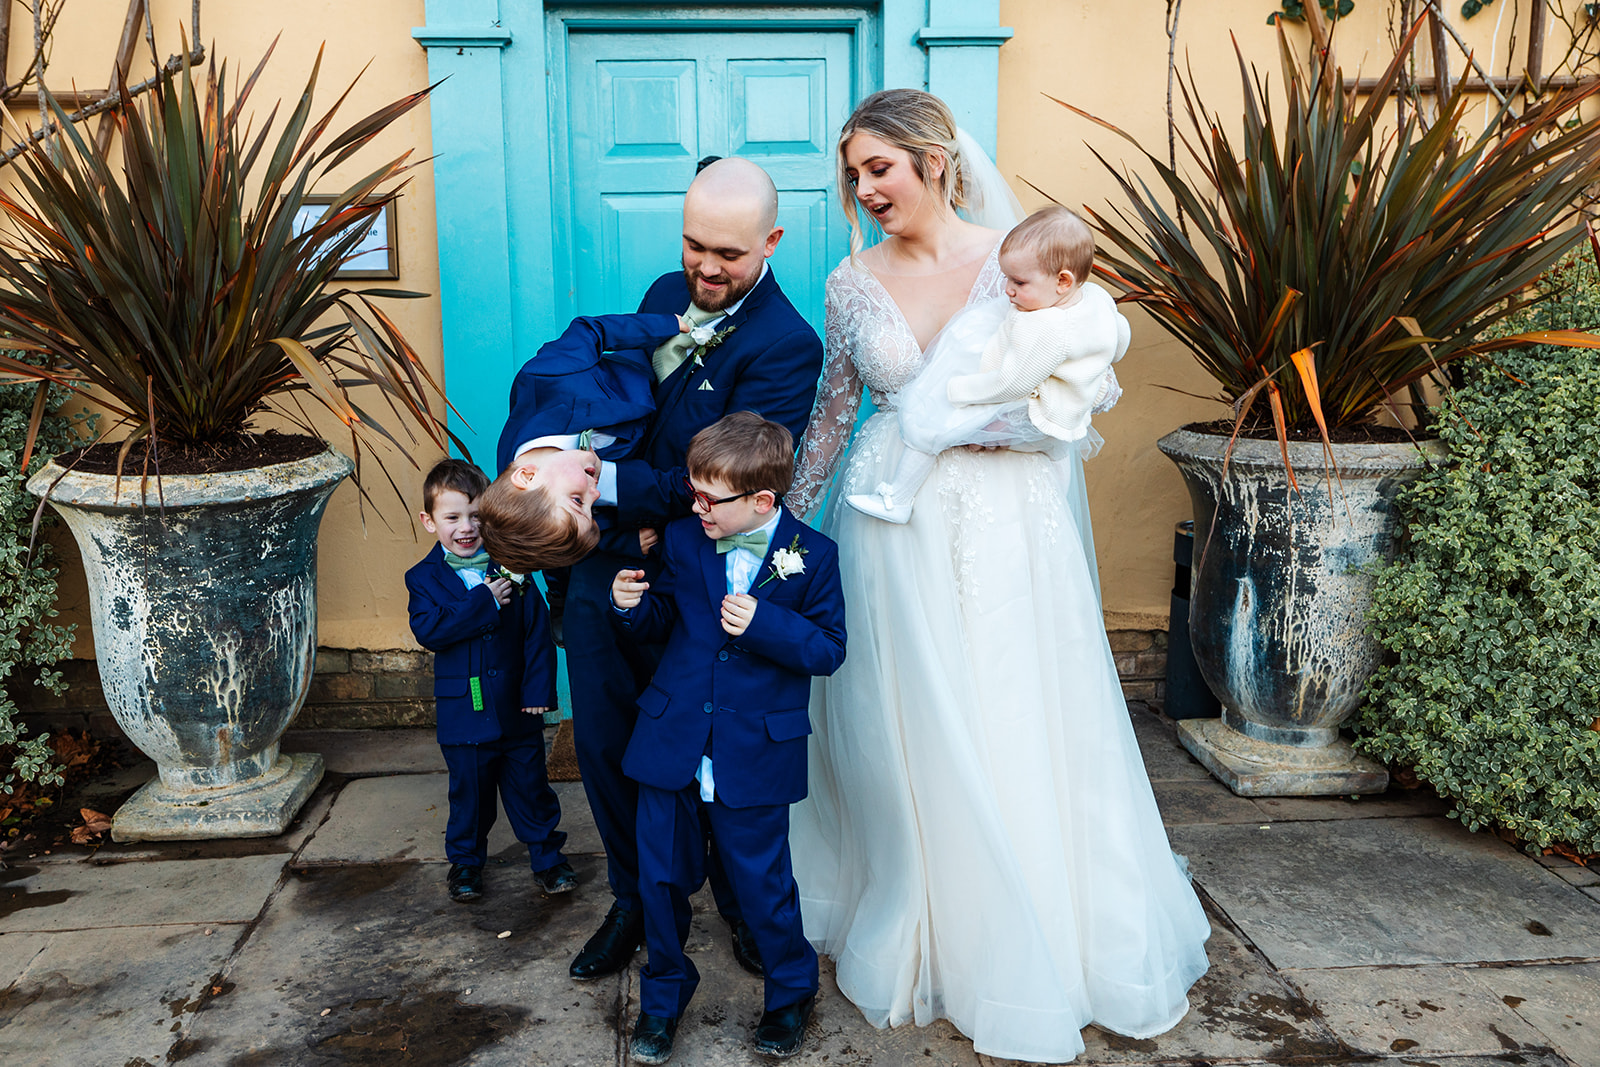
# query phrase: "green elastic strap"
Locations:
[[477, 694]]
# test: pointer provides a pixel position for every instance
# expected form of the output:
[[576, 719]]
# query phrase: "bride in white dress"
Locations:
[[980, 842]]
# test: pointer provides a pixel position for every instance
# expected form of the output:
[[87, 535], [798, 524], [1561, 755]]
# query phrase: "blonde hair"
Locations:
[[1058, 238], [915, 122]]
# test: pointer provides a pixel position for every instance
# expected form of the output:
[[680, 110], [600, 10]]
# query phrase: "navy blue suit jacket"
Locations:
[[595, 376], [768, 364], [745, 697], [508, 650]]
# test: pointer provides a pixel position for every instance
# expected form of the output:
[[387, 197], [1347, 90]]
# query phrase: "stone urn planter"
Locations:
[[204, 612], [1279, 604]]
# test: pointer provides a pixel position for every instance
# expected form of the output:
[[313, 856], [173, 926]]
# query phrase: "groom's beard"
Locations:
[[731, 293]]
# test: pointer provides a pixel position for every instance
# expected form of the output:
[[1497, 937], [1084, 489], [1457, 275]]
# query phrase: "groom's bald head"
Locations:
[[730, 216]]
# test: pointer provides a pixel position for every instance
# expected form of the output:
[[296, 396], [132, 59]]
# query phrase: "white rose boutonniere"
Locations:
[[705, 340], [518, 580], [786, 561]]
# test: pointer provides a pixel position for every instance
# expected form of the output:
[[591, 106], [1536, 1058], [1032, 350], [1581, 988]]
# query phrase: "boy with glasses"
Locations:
[[750, 604]]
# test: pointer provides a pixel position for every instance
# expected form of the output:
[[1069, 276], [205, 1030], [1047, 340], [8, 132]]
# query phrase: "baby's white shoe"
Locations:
[[881, 504]]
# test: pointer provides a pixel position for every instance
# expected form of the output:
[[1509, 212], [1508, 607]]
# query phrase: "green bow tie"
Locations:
[[750, 542], [478, 562]]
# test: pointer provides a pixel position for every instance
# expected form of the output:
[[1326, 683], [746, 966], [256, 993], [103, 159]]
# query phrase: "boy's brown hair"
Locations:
[[1058, 238], [525, 530], [745, 452], [455, 474]]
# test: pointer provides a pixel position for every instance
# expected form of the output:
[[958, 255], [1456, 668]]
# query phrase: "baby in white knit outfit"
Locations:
[[1025, 374]]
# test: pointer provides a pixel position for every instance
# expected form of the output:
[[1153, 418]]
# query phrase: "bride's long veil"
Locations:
[[991, 203]]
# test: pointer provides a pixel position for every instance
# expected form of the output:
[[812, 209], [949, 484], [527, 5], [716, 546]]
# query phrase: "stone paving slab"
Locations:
[[1165, 760], [1416, 1011], [1387, 891], [716, 1029], [1238, 1010], [86, 1000], [358, 753], [374, 964], [1396, 803], [401, 818], [75, 896], [1183, 803], [1562, 1001]]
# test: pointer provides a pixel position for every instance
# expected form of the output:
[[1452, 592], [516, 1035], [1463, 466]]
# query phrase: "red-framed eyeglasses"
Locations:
[[706, 501]]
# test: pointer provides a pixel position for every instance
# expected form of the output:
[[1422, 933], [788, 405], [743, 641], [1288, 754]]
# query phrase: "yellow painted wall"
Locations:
[[1110, 59], [361, 596]]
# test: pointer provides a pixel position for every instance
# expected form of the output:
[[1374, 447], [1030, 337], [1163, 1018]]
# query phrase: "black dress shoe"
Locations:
[[652, 1039], [558, 879], [465, 883], [780, 1033], [611, 947], [744, 947]]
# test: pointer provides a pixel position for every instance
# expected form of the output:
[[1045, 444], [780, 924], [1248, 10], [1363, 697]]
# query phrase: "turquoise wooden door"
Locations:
[[642, 108]]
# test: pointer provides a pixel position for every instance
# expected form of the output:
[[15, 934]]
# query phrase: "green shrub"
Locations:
[[27, 580], [1492, 611]]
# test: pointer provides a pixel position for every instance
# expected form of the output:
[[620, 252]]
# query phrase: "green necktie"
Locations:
[[478, 562], [750, 542], [670, 356], [585, 440]]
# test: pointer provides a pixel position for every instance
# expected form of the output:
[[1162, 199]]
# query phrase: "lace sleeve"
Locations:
[[833, 418]]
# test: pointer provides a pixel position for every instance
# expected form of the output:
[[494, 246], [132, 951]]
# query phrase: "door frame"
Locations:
[[858, 20], [493, 126]]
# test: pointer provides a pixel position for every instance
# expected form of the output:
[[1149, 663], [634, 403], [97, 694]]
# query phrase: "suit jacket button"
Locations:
[[722, 656], [493, 673], [707, 708]]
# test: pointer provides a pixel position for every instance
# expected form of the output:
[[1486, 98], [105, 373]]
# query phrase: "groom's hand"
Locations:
[[737, 611], [627, 589], [648, 539]]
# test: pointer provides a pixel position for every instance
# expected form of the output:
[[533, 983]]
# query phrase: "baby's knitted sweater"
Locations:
[[1057, 357]]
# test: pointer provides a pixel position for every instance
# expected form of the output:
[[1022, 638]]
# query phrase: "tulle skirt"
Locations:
[[981, 842]]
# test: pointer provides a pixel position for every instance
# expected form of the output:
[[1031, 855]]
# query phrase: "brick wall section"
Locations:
[[352, 689], [1141, 657]]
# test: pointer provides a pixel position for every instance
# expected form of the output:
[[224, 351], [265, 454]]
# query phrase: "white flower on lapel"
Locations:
[[787, 561], [705, 339]]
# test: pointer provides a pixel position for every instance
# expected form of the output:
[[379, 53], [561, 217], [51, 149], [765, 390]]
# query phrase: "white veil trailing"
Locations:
[[990, 201]]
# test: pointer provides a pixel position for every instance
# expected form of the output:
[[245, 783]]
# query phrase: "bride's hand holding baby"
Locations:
[[627, 588]]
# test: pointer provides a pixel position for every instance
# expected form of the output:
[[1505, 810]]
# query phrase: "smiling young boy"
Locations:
[[750, 604], [494, 674]]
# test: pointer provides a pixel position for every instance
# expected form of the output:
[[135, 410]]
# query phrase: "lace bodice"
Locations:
[[868, 342]]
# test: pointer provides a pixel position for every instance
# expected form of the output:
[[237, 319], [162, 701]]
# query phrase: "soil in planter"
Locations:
[[1366, 433], [244, 452]]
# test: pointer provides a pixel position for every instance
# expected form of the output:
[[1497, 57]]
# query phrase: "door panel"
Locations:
[[643, 108]]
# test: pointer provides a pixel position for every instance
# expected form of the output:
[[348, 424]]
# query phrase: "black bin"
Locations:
[[1187, 694]]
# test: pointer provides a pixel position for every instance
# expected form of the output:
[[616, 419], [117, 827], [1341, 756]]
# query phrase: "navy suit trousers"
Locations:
[[753, 844], [608, 668], [514, 768]]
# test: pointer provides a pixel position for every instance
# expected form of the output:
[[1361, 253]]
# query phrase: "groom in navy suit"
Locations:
[[750, 350]]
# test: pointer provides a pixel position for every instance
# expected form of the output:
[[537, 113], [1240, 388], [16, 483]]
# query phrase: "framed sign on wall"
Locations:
[[378, 253]]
